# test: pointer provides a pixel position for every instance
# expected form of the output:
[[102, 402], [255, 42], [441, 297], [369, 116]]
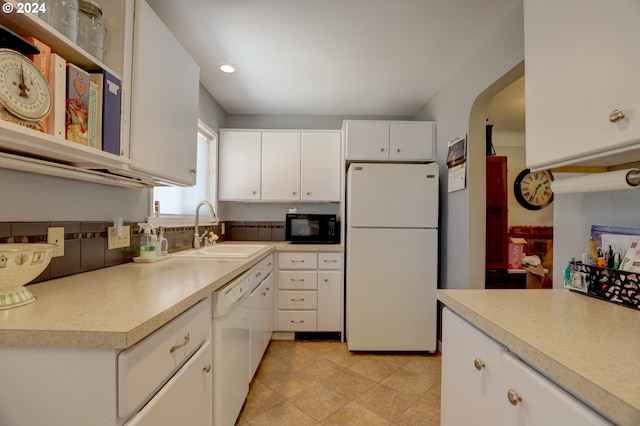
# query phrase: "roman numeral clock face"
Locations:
[[533, 189]]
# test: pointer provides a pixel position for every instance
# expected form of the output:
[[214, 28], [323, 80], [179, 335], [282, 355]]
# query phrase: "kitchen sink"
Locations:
[[235, 251]]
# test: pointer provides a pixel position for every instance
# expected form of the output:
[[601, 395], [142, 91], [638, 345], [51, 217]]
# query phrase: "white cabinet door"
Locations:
[[185, 399], [239, 165], [267, 309], [320, 166], [579, 68], [528, 398], [280, 166], [471, 374], [411, 140], [367, 140], [257, 332], [329, 300], [164, 102]]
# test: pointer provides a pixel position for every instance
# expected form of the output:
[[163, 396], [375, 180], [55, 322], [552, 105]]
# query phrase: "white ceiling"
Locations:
[[330, 57]]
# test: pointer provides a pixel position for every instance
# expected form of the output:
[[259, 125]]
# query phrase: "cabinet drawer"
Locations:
[[298, 280], [329, 260], [188, 395], [297, 320], [143, 368], [297, 300], [265, 264], [297, 260]]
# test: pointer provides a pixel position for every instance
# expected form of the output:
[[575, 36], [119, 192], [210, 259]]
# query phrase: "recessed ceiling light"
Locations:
[[229, 68]]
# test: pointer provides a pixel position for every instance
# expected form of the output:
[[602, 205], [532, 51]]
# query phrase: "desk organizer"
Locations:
[[612, 285]]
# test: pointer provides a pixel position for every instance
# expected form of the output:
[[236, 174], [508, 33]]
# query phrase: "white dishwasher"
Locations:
[[231, 340]]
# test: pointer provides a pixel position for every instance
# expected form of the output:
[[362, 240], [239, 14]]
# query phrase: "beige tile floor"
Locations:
[[322, 383]]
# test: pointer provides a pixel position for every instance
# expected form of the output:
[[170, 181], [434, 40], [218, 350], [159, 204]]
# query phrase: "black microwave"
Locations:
[[312, 228]]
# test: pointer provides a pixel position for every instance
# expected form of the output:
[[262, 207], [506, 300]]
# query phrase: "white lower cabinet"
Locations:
[[471, 374], [165, 379], [528, 398], [485, 384], [188, 393], [310, 288], [261, 299]]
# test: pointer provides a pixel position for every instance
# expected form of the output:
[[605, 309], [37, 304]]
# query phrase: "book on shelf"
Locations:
[[110, 88], [94, 117], [41, 60], [58, 84], [77, 105]]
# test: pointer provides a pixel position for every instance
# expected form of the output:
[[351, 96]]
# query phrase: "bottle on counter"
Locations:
[[147, 241]]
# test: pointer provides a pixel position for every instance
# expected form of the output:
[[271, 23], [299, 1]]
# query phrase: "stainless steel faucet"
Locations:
[[212, 216]]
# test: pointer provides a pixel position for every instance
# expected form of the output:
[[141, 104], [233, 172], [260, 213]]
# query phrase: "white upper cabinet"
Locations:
[[239, 167], [581, 65], [321, 164], [164, 106], [390, 140], [280, 166]]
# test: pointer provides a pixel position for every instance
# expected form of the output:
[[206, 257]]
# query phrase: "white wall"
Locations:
[[461, 108], [575, 213]]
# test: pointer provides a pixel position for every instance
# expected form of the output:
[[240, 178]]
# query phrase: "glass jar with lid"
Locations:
[[91, 28], [63, 16]]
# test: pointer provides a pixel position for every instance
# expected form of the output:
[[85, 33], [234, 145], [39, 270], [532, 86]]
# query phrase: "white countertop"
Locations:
[[588, 346], [118, 306]]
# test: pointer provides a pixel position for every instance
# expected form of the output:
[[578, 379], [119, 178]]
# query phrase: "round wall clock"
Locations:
[[24, 91], [533, 189]]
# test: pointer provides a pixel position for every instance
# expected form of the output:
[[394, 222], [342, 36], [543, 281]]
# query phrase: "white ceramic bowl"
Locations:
[[20, 263]]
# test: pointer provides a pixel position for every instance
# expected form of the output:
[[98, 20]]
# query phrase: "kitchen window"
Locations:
[[178, 204]]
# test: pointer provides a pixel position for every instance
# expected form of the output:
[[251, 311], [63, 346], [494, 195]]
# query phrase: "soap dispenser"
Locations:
[[147, 241]]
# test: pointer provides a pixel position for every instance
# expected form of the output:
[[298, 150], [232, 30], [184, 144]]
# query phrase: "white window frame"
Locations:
[[177, 220]]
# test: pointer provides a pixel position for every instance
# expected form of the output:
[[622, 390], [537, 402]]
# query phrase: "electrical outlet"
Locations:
[[56, 236], [115, 242]]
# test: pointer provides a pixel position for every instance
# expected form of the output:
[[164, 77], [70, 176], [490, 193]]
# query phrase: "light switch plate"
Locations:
[[56, 236], [115, 242]]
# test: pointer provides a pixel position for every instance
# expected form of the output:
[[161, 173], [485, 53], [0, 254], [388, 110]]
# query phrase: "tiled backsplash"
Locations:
[[255, 231], [85, 243]]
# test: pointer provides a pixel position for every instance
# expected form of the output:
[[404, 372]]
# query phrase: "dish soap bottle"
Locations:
[[147, 242]]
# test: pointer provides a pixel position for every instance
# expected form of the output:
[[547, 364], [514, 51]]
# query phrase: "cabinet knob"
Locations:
[[192, 171], [616, 115], [308, 193], [381, 149], [514, 397], [207, 368], [254, 192], [293, 193], [398, 150], [478, 363]]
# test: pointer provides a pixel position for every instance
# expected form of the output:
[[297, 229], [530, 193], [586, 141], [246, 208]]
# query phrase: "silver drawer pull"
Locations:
[[207, 368], [301, 321], [330, 260], [299, 280], [297, 261], [297, 300], [186, 340]]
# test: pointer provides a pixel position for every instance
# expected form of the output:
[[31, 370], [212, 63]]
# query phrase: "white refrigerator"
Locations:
[[392, 257]]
